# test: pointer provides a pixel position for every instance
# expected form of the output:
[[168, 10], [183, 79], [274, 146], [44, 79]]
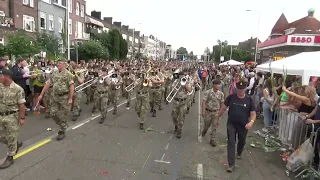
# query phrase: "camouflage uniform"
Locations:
[[101, 98], [77, 97], [10, 98], [154, 95], [179, 109], [196, 81], [127, 80], [142, 100], [115, 94], [190, 96], [167, 85], [213, 101], [48, 96], [60, 108]]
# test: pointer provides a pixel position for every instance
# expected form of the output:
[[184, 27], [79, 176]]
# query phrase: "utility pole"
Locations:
[[67, 29]]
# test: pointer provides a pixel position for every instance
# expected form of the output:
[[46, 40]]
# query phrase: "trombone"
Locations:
[[91, 82], [176, 87]]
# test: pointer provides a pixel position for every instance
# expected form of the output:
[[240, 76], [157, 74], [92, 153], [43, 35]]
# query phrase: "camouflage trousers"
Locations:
[[208, 121], [48, 98], [89, 91], [178, 115], [101, 103], [59, 110], [9, 130], [76, 103], [204, 83], [155, 97], [142, 106], [166, 92], [128, 95], [114, 98]]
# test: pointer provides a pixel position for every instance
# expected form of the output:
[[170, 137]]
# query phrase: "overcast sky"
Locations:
[[197, 24]]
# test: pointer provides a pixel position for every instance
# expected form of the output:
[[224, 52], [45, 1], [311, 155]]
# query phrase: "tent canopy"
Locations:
[[305, 64], [231, 62]]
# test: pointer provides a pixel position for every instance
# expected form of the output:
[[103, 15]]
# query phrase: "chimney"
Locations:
[[108, 20], [96, 14], [311, 12]]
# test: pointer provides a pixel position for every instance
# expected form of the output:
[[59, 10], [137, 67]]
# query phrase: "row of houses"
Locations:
[[51, 16]]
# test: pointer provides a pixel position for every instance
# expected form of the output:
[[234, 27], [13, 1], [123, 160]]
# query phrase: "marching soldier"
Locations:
[[197, 84], [63, 92], [167, 84], [115, 93], [142, 101], [211, 102], [155, 90], [12, 114], [179, 107], [48, 95], [78, 79], [128, 79], [101, 94]]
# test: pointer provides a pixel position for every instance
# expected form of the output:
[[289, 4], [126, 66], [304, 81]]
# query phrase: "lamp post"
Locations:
[[257, 41]]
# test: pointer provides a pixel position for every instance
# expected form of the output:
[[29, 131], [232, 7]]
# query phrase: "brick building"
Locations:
[[287, 39], [76, 24]]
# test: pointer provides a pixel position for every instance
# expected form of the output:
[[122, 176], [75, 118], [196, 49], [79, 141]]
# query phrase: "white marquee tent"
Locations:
[[304, 64], [231, 63]]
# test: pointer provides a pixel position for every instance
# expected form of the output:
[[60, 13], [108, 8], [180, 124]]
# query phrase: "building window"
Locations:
[[51, 22], [70, 6], [47, 1], [60, 24], [82, 10], [42, 20], [28, 23], [77, 8], [70, 27], [28, 2]]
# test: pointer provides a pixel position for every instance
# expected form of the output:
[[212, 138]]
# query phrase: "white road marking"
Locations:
[[166, 162], [166, 148], [95, 117], [200, 172], [199, 117], [170, 137]]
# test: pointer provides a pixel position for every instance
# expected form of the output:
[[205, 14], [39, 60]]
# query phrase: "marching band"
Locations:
[[103, 83]]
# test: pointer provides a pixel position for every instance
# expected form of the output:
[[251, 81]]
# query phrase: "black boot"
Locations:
[[141, 126], [101, 121], [160, 107], [19, 145], [114, 111], [61, 135], [175, 129], [179, 134], [154, 113], [47, 116], [193, 101], [74, 117], [204, 133], [213, 143], [93, 110], [79, 112], [151, 109], [7, 163]]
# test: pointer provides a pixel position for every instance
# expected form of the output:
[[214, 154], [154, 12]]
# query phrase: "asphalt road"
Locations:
[[118, 150]]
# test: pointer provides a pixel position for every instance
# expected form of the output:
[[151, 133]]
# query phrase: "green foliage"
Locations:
[[124, 49], [92, 50], [3, 50], [182, 51], [49, 43], [21, 45], [237, 54]]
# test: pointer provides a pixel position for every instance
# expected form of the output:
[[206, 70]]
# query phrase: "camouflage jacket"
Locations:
[[61, 81], [11, 97], [213, 99]]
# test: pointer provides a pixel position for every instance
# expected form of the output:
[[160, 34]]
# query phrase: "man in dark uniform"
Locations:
[[241, 117]]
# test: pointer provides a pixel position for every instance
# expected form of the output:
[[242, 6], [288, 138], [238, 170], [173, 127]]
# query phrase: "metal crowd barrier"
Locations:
[[292, 131]]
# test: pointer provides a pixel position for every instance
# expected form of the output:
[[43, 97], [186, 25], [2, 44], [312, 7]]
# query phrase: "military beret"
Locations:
[[242, 84], [6, 72], [216, 81]]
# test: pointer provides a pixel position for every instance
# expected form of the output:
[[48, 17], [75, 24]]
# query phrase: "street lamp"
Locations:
[[255, 54]]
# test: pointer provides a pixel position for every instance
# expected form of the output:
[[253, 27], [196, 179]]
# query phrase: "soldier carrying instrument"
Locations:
[[142, 98], [78, 79], [155, 90]]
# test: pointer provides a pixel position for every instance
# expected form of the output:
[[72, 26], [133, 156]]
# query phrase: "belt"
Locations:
[[156, 87], [179, 99], [211, 110], [62, 94], [103, 92], [143, 92], [7, 113]]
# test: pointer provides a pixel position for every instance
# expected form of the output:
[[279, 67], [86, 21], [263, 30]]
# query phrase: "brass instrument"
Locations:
[[114, 79], [91, 82], [176, 87]]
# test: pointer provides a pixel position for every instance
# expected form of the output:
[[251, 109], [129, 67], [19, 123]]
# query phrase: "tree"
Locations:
[[182, 51], [3, 50], [124, 49], [92, 50], [191, 56], [21, 45], [48, 43], [114, 38], [207, 51]]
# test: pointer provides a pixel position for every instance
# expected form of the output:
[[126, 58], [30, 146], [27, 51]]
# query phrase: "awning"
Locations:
[[93, 21]]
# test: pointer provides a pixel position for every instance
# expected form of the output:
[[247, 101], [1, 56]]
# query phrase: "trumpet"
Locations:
[[176, 87]]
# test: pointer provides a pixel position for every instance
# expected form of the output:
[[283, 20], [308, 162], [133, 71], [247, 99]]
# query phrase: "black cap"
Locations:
[[216, 81], [6, 72], [242, 84]]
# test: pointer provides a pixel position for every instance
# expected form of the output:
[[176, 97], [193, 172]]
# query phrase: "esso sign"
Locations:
[[303, 39]]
